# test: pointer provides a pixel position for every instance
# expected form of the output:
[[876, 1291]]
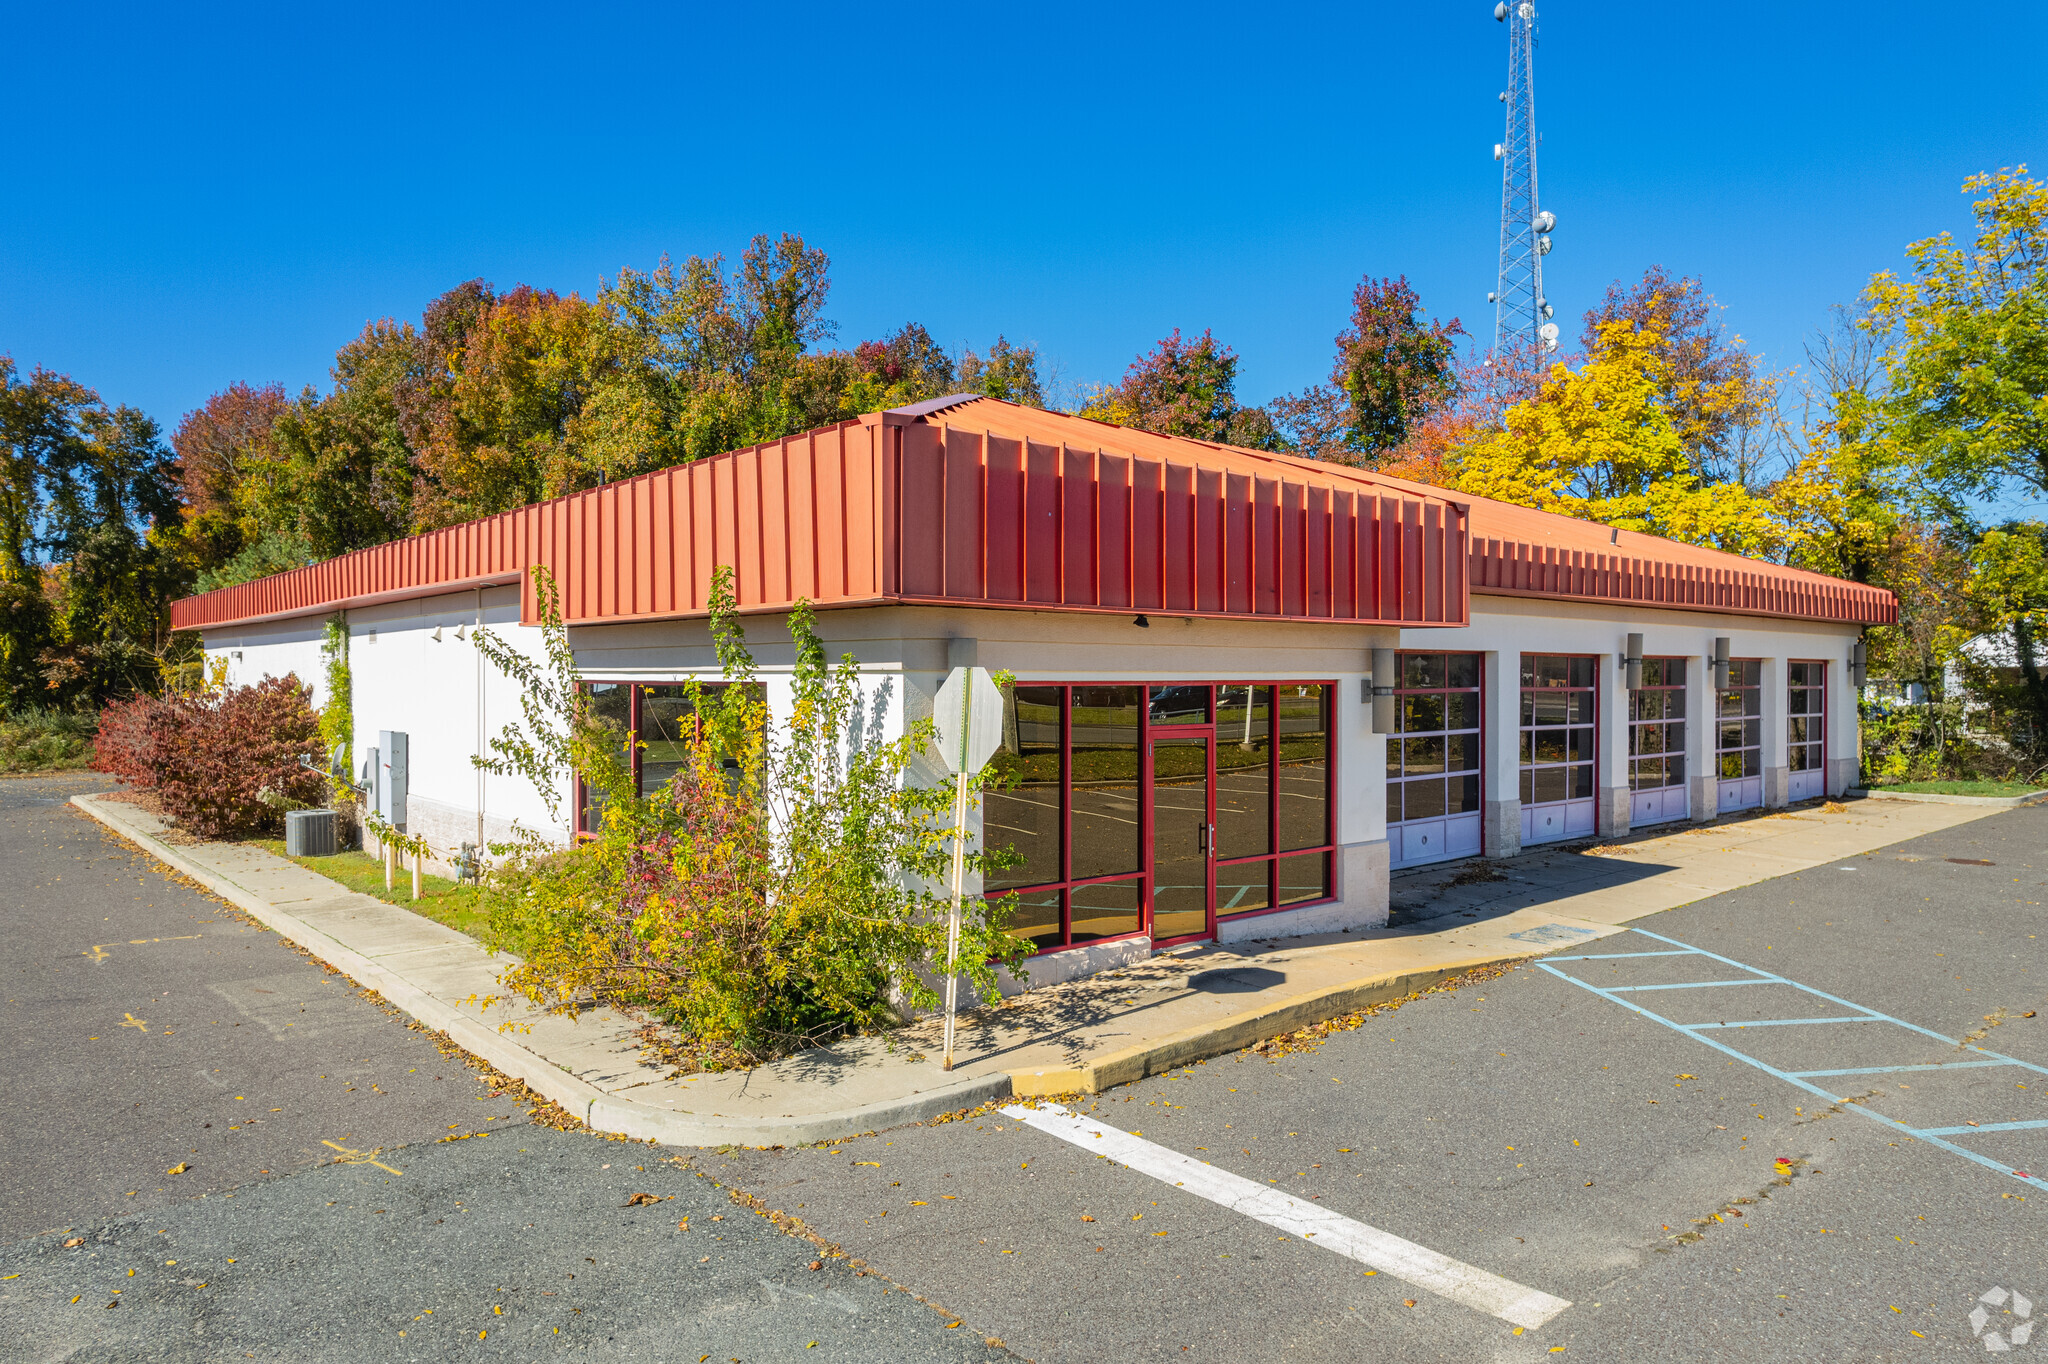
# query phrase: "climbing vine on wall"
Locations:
[[337, 717]]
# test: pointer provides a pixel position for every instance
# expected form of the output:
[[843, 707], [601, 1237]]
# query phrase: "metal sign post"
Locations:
[[968, 713]]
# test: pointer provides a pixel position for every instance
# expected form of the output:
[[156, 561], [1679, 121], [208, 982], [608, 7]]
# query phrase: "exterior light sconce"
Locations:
[[458, 632], [1141, 622], [1378, 691], [1857, 665], [437, 634], [1721, 668], [1632, 663]]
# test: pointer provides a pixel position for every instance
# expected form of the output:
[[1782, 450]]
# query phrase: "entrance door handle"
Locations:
[[1205, 838]]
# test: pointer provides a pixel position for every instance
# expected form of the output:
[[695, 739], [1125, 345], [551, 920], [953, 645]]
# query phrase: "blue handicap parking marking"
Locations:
[[1677, 997], [1553, 933]]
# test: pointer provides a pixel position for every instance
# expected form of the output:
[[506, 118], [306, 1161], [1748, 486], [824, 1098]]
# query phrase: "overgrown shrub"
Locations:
[[214, 754], [785, 887], [45, 740]]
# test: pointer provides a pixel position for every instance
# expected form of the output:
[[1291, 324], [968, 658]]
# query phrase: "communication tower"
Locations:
[[1521, 313]]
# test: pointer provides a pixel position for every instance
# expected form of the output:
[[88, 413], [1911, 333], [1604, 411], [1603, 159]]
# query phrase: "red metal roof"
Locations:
[[979, 503], [1520, 551]]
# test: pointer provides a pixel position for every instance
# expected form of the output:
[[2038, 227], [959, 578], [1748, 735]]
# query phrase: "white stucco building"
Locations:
[[1202, 639]]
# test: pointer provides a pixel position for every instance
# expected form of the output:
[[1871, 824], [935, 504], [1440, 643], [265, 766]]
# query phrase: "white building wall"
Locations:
[[1504, 628], [449, 701], [279, 649], [441, 694]]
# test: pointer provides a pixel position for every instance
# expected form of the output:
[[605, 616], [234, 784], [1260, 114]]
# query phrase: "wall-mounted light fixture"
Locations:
[[1141, 623], [437, 634], [1632, 663], [1379, 691], [1721, 667], [1857, 665]]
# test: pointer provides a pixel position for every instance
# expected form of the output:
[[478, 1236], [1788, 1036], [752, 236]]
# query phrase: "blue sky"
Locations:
[[202, 198]]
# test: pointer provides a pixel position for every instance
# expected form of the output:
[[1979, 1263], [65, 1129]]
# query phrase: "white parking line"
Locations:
[[1380, 1250]]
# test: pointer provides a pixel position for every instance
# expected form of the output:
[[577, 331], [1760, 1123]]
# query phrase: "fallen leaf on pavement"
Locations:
[[641, 1200], [178, 1169], [1407, 1302], [1085, 1217], [74, 1243]]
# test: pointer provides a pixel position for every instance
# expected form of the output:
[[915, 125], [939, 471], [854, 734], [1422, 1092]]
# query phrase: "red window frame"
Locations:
[[1403, 692], [1826, 702], [1143, 876], [1664, 722], [1530, 762]]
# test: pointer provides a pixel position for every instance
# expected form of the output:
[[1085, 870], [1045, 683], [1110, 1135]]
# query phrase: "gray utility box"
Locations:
[[388, 788], [309, 833]]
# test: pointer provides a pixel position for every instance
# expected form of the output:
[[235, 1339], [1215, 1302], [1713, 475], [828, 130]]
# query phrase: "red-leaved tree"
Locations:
[[212, 755]]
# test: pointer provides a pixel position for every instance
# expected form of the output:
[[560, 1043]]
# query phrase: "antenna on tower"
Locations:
[[1521, 313]]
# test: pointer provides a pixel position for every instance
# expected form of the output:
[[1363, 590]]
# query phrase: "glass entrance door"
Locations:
[[1183, 822]]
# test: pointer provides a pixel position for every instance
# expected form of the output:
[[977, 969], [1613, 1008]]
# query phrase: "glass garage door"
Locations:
[[1558, 735], [1433, 792], [1806, 730], [1739, 737], [1656, 744]]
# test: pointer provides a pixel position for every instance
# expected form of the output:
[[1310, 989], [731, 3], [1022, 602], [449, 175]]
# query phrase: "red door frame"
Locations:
[[1148, 778]]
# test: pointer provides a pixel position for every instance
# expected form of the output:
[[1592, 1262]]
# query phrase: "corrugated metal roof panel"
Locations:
[[980, 502], [888, 509]]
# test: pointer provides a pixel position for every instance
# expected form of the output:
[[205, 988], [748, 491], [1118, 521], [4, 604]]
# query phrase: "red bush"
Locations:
[[211, 756]]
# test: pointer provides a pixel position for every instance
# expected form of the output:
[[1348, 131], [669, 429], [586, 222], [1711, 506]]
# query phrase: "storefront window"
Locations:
[[652, 722], [1103, 736], [1108, 796]]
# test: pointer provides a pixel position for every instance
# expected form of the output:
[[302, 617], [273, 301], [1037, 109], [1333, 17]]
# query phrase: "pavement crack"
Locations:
[[1729, 1213], [1837, 1107]]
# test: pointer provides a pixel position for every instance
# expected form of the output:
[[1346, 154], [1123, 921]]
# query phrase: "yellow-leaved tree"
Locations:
[[1599, 443]]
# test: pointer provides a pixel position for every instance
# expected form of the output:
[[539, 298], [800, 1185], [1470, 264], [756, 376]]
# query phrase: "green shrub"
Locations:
[[783, 888], [46, 740]]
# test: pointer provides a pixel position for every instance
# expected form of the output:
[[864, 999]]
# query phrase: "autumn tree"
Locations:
[[1007, 372], [1720, 403], [1184, 388], [1959, 415], [1598, 443], [1967, 365], [1393, 368], [87, 490]]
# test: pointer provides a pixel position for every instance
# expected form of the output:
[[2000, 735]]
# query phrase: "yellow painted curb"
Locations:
[[1240, 1030]]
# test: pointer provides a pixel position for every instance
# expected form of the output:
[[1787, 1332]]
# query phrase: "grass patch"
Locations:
[[46, 741], [1960, 788], [441, 900]]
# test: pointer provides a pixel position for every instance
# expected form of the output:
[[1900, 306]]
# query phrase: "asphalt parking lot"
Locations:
[[345, 1192], [1688, 1205]]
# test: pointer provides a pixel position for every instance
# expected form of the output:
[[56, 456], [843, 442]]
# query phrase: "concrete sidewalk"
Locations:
[[1673, 865], [1082, 1035]]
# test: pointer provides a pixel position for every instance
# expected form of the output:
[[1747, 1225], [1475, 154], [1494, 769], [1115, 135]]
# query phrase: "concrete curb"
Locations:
[[1240, 1030], [610, 1112], [604, 1112], [1937, 798]]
